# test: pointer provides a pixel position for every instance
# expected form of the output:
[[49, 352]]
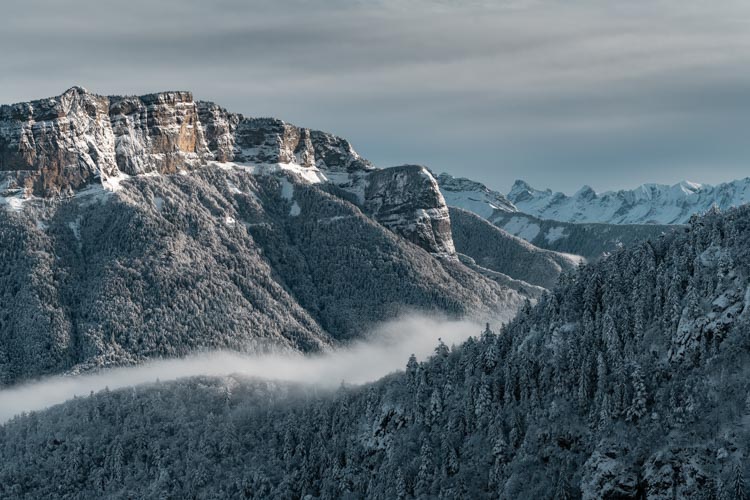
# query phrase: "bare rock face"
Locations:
[[219, 130], [336, 154], [232, 137], [157, 133], [52, 146], [407, 200], [269, 140]]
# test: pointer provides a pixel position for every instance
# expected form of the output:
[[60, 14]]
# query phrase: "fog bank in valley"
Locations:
[[386, 350]]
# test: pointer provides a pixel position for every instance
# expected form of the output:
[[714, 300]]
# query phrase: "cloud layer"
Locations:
[[386, 351], [603, 92]]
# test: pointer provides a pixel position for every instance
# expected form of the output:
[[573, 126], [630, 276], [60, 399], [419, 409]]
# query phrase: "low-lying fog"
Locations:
[[386, 350]]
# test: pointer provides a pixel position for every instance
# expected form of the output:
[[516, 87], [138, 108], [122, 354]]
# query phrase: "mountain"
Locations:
[[495, 249], [629, 380], [588, 240], [646, 204], [142, 227], [473, 196], [591, 241]]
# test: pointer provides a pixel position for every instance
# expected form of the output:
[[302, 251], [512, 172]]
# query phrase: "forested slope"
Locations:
[[495, 249], [170, 265], [629, 380]]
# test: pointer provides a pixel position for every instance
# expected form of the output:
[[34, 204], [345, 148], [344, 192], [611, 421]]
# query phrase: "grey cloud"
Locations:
[[561, 92]]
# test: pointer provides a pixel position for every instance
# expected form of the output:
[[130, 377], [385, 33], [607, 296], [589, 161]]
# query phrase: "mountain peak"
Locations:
[[586, 192], [80, 139], [521, 185], [520, 191], [76, 89]]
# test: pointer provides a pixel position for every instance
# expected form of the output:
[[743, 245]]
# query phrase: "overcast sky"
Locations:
[[558, 92]]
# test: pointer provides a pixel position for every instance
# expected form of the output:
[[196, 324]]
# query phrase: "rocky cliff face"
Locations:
[[157, 133], [52, 147], [407, 200]]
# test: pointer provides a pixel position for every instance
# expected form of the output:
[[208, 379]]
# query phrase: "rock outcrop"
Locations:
[[407, 200], [158, 133], [52, 147]]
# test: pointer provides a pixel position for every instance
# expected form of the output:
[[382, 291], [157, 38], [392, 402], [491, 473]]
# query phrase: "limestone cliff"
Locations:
[[53, 147]]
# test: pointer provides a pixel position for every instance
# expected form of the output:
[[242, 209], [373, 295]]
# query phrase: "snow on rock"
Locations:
[[646, 204], [56, 146], [407, 200], [287, 189], [702, 323], [112, 182], [522, 227], [608, 474], [555, 234], [677, 473], [14, 202], [52, 146], [674, 472], [295, 210], [473, 196]]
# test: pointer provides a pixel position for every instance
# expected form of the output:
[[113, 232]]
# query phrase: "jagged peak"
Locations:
[[521, 184], [650, 203], [76, 89], [520, 189], [586, 192], [448, 181]]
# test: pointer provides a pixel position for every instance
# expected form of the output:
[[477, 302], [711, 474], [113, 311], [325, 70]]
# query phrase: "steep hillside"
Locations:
[[495, 249], [591, 241], [219, 258], [629, 380]]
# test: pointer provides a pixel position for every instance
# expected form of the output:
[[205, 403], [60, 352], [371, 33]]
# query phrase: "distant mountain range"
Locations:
[[646, 204], [589, 240]]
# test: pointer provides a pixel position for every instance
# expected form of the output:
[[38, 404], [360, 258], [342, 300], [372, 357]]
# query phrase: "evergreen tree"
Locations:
[[637, 408]]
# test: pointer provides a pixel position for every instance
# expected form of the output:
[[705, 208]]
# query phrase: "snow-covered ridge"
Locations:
[[473, 196], [580, 239], [646, 204]]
